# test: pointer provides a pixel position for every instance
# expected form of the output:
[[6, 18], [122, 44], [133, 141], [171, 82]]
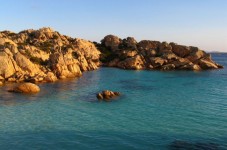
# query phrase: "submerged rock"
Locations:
[[26, 88], [107, 95]]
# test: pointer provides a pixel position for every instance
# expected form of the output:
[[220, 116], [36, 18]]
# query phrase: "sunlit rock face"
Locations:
[[44, 55], [146, 54]]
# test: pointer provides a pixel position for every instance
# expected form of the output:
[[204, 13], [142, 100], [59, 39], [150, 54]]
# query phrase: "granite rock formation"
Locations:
[[153, 55], [44, 55], [28, 88]]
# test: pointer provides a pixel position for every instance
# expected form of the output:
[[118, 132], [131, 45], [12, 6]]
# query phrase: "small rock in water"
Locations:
[[26, 88], [107, 95]]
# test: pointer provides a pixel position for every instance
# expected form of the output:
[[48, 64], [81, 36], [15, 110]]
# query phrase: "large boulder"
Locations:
[[7, 67], [129, 43], [204, 64], [26, 88], [148, 45], [157, 62], [196, 54], [50, 77], [112, 42], [164, 48], [24, 63], [135, 63], [128, 53], [65, 66], [180, 50]]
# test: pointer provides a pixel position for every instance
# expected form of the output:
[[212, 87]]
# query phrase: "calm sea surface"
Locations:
[[158, 110]]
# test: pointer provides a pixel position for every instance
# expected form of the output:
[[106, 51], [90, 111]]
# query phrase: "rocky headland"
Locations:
[[153, 55], [45, 55]]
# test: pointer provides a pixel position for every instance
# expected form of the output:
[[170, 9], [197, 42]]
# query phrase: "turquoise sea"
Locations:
[[158, 110]]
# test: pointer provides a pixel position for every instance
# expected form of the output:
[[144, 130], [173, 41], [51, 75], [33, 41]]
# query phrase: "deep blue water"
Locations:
[[156, 110]]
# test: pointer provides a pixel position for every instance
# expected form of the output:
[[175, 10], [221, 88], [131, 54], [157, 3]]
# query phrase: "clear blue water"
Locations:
[[156, 109]]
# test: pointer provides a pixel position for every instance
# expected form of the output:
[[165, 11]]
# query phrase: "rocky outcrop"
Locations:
[[107, 95], [112, 42], [50, 77], [44, 55], [28, 88], [153, 55]]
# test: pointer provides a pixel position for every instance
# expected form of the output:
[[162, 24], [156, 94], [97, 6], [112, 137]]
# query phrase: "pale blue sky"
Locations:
[[201, 23]]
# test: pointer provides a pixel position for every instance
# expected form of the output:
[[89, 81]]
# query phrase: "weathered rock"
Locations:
[[50, 77], [157, 61], [107, 95], [25, 64], [113, 63], [30, 54], [99, 96], [112, 42], [180, 50], [135, 63], [204, 64], [170, 56], [130, 43], [33, 52], [128, 53], [65, 65], [196, 54], [164, 47], [168, 67], [151, 53], [156, 55], [11, 79], [7, 67], [148, 45], [26, 88], [1, 78], [87, 55]]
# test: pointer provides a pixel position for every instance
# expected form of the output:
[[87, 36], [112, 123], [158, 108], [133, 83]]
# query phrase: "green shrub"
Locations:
[[75, 55], [11, 34], [55, 37], [46, 46], [38, 61]]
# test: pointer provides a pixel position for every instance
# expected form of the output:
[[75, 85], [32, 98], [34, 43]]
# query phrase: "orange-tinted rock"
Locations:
[[107, 95], [26, 88]]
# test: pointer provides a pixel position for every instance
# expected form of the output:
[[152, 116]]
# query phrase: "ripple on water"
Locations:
[[156, 108]]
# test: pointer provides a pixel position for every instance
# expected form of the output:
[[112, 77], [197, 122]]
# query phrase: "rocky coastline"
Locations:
[[45, 55]]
